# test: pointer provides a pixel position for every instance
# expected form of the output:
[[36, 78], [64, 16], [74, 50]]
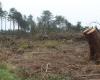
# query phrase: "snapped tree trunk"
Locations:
[[93, 38]]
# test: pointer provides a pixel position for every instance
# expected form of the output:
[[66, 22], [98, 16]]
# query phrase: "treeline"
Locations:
[[45, 24]]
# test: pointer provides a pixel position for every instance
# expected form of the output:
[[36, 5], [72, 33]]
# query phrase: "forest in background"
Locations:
[[14, 22]]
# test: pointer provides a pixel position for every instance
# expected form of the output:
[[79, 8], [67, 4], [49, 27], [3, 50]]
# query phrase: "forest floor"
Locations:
[[27, 57]]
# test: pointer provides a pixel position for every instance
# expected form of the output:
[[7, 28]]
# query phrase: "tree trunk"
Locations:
[[13, 25], [5, 23], [1, 23], [10, 24], [93, 38], [18, 26]]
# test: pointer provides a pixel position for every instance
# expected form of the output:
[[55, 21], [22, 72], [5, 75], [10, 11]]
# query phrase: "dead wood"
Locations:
[[93, 38]]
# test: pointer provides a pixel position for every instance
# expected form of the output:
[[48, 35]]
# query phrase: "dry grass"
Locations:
[[48, 59]]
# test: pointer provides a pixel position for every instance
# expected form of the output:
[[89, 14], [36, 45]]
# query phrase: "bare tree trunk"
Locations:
[[13, 25], [5, 23], [18, 26], [93, 38], [1, 23], [10, 24]]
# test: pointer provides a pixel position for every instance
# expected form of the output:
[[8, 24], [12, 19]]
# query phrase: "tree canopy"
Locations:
[[45, 24]]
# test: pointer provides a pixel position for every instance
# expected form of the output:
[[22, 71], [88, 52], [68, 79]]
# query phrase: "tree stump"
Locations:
[[93, 37]]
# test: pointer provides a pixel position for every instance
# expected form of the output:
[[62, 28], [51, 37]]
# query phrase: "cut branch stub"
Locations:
[[93, 38]]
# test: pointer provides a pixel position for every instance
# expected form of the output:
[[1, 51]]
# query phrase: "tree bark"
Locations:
[[93, 38], [1, 24], [5, 23]]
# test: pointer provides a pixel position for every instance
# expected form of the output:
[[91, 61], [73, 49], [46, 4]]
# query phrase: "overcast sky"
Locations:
[[86, 11]]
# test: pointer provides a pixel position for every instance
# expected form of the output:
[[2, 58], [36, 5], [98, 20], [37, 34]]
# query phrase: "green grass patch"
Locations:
[[24, 45], [51, 44], [6, 74]]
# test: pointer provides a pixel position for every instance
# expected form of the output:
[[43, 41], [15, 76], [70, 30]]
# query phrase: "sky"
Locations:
[[86, 11]]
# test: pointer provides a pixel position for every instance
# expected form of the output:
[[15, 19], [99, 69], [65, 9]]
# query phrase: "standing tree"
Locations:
[[18, 18], [60, 22], [1, 14], [12, 16], [5, 16], [45, 21], [78, 26], [31, 23], [9, 19], [68, 25], [24, 26]]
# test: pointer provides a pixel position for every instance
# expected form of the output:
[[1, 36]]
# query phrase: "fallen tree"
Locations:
[[93, 37]]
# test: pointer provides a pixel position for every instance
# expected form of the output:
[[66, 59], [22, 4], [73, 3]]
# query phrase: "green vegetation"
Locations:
[[51, 44], [46, 23], [24, 45], [6, 74]]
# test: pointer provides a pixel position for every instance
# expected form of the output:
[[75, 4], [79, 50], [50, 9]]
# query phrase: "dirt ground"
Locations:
[[50, 56]]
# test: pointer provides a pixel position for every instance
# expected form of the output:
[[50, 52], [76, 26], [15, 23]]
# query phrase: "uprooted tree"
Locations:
[[93, 37]]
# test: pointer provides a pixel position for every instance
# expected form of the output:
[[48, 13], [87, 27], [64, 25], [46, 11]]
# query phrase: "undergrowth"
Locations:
[[8, 74]]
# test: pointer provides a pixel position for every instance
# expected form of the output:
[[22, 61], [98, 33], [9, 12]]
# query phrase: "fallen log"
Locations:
[[93, 37]]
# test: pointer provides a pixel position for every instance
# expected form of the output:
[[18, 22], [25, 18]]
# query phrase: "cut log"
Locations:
[[93, 38]]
